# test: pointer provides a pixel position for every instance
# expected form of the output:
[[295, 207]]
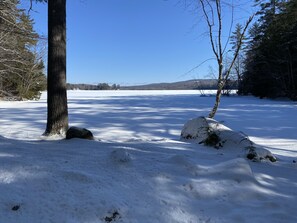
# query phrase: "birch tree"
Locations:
[[212, 13]]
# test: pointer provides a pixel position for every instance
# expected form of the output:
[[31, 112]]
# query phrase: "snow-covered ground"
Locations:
[[138, 170]]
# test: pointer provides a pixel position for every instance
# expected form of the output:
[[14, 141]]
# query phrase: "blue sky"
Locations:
[[134, 41]]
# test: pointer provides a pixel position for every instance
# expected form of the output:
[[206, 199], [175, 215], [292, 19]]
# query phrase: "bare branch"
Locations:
[[210, 25], [230, 29], [194, 68]]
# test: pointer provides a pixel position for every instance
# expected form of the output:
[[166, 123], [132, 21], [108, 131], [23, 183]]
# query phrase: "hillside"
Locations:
[[180, 85]]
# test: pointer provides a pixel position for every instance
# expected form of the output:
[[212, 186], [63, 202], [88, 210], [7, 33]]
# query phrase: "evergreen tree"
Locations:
[[19, 67], [270, 63], [237, 41], [57, 119]]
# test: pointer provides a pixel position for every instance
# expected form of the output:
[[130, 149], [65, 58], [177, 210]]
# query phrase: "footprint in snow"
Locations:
[[77, 177]]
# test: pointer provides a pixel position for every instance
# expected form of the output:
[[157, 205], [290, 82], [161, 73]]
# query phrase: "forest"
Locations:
[[270, 52]]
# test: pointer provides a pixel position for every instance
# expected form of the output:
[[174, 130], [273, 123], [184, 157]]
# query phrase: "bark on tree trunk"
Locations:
[[217, 102], [221, 84], [57, 116]]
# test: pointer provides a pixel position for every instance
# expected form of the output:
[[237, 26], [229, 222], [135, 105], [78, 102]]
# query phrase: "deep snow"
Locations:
[[138, 169]]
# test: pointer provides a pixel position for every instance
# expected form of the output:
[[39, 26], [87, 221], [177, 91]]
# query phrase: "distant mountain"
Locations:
[[181, 85], [201, 84]]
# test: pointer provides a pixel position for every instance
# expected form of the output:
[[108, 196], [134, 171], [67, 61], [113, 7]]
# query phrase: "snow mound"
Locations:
[[120, 156], [212, 133], [183, 163], [238, 170], [224, 182]]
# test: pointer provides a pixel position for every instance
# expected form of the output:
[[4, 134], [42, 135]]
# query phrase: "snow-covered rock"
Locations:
[[258, 153], [195, 129], [213, 133]]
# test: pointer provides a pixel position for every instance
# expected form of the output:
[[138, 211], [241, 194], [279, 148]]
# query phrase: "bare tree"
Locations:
[[212, 12]]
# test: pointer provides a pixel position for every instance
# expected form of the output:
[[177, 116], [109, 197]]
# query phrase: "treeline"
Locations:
[[100, 86], [270, 65], [199, 84], [21, 65]]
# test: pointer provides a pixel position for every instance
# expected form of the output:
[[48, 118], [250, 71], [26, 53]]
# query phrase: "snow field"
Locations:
[[138, 170]]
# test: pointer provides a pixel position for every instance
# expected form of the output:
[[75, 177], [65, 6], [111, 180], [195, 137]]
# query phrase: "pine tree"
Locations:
[[237, 41], [270, 63], [18, 63], [57, 118], [57, 108]]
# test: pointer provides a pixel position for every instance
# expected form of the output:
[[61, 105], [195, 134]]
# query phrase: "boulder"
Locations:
[[76, 132], [195, 129], [212, 133], [256, 153]]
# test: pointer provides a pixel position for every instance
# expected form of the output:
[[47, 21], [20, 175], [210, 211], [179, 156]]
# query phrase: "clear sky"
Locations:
[[134, 41]]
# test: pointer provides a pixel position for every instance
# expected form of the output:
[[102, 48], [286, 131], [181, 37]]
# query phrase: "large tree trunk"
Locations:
[[57, 117]]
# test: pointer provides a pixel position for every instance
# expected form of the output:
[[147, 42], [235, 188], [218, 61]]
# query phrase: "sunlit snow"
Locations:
[[138, 170]]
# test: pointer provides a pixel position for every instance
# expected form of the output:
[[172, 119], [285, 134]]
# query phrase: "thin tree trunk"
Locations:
[[223, 78], [217, 103], [221, 84], [57, 117]]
